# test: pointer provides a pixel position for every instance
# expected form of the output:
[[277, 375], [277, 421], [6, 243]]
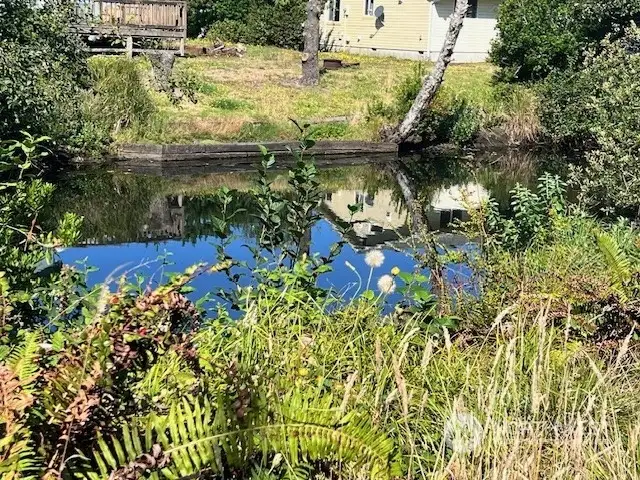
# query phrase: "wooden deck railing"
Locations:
[[137, 18]]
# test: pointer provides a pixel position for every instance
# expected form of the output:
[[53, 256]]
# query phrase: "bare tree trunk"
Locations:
[[431, 84], [310, 67]]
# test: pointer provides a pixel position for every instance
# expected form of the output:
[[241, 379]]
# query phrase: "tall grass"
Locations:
[[525, 400], [521, 117], [119, 96]]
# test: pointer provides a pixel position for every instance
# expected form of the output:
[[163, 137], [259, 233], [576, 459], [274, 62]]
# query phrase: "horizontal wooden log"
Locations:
[[178, 151], [222, 158], [99, 50], [131, 31]]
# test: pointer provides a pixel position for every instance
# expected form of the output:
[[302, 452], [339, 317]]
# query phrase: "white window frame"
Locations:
[[335, 15], [369, 8]]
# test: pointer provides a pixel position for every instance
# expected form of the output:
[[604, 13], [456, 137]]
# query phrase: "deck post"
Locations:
[[129, 47], [182, 47]]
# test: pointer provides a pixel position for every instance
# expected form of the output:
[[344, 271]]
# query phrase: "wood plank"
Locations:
[[245, 156], [176, 33], [239, 164], [98, 50], [175, 152]]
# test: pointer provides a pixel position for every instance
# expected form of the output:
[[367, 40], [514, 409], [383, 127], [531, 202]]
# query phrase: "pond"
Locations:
[[147, 225]]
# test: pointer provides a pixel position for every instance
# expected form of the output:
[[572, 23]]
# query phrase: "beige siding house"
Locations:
[[408, 28]]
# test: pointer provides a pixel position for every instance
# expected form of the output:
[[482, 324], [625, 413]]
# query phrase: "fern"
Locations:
[[18, 459], [617, 261], [22, 360], [197, 437]]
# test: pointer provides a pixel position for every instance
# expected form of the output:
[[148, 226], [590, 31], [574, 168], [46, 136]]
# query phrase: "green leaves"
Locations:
[[618, 262], [532, 214], [197, 435]]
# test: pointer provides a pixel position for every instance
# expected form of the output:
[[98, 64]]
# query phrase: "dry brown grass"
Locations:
[[253, 98]]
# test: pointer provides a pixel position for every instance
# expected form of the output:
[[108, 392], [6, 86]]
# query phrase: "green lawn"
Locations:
[[252, 98]]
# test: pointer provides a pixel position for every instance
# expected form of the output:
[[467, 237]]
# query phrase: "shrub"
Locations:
[[28, 271], [279, 24], [599, 105], [407, 90], [462, 122], [228, 30], [42, 70], [265, 23], [119, 95], [204, 13], [538, 38]]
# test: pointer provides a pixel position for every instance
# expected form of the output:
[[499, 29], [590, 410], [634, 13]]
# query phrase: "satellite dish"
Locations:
[[379, 14]]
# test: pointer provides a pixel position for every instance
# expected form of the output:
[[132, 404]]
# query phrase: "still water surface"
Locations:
[[150, 225]]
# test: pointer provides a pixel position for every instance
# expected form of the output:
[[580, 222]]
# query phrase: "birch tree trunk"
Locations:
[[310, 67], [409, 126]]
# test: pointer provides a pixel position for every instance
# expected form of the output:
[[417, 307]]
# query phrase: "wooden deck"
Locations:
[[131, 19]]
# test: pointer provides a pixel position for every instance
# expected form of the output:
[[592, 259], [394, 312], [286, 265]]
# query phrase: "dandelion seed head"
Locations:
[[387, 285], [374, 258]]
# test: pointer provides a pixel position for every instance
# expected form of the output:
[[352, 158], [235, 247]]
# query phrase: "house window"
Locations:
[[369, 7], [472, 12], [334, 10]]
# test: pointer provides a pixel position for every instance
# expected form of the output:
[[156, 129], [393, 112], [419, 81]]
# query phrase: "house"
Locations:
[[408, 28]]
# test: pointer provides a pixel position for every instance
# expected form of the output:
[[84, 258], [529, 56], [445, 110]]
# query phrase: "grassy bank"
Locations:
[[252, 98]]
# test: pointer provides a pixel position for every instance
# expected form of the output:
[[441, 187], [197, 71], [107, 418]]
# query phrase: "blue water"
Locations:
[[145, 228], [155, 260]]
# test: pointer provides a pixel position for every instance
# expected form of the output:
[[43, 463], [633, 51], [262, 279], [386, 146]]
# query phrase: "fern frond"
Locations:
[[196, 436], [617, 261], [18, 459], [22, 360]]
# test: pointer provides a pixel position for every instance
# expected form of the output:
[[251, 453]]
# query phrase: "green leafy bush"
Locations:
[[227, 30], [598, 106], [265, 22], [30, 277], [541, 37], [42, 70], [204, 13]]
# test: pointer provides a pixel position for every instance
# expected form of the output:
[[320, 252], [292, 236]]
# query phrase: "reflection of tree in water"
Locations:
[[201, 210], [496, 171], [113, 205]]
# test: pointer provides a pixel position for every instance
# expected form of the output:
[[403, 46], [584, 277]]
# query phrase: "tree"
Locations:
[[537, 38], [411, 123], [310, 67], [43, 69]]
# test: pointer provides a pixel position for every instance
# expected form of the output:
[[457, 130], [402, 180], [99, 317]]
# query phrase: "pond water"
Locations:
[[149, 225]]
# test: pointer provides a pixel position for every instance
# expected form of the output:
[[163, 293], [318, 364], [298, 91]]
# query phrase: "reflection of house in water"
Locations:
[[450, 204], [166, 219], [380, 220], [383, 219]]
